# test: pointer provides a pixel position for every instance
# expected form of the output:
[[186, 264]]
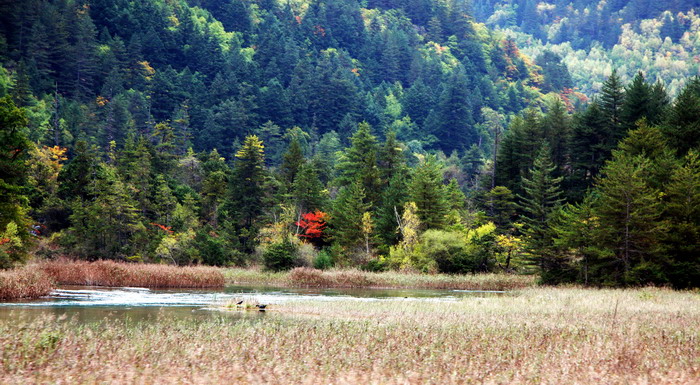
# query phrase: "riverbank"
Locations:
[[37, 279], [351, 278], [537, 335]]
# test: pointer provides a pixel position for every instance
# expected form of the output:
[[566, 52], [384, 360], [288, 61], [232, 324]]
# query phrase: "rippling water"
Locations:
[[96, 303]]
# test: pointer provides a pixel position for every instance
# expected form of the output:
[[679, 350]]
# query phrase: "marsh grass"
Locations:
[[350, 278], [536, 336], [109, 273], [24, 283]]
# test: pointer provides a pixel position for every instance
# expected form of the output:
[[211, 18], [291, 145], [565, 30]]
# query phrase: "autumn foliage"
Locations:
[[311, 225], [167, 229]]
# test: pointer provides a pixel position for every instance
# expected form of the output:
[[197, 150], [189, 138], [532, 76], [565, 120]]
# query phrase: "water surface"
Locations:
[[90, 304]]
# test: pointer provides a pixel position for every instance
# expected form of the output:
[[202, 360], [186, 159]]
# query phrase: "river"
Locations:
[[92, 304]]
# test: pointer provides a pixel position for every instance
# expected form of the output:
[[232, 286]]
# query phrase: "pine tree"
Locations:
[[76, 179], [38, 54], [541, 199], [85, 49], [346, 217], [22, 91], [104, 226], [137, 171], [13, 172], [637, 103], [326, 156], [658, 104], [682, 127], [164, 201], [588, 148], [359, 163], [292, 161], [246, 188], [189, 170], [520, 147], [455, 122], [682, 213], [556, 74], [165, 146], [456, 200], [611, 99], [648, 141], [275, 105], [214, 185], [391, 158], [307, 190], [273, 137], [576, 228], [393, 199], [427, 191], [629, 212], [556, 127], [500, 203], [418, 101]]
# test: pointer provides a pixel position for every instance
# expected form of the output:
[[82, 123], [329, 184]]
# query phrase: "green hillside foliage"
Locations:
[[373, 134]]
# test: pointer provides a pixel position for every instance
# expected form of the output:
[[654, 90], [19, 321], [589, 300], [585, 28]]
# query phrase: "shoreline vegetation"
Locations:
[[38, 279], [110, 273], [573, 335], [352, 278], [23, 283]]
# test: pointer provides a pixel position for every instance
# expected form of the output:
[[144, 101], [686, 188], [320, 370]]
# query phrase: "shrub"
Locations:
[[376, 265], [452, 252], [280, 256], [307, 254], [212, 250], [448, 250], [178, 248], [11, 246], [323, 260]]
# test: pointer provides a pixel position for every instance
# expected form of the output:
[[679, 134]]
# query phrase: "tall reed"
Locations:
[[24, 283], [109, 273]]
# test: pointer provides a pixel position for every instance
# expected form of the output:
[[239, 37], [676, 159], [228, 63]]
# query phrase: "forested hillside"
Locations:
[[218, 70], [336, 133], [592, 37]]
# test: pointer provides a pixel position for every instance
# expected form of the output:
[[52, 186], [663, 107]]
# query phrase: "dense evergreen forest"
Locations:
[[372, 134]]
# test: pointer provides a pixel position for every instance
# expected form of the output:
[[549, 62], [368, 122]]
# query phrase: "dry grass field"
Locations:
[[533, 336]]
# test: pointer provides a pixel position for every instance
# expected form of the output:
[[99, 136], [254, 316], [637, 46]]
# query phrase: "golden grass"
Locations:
[[537, 336], [23, 283], [349, 278], [109, 273]]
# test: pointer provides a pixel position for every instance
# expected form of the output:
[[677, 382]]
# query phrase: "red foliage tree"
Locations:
[[167, 229], [311, 226]]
